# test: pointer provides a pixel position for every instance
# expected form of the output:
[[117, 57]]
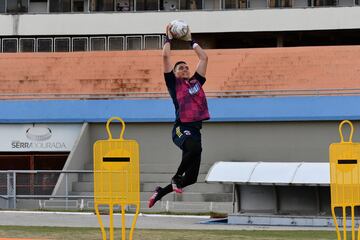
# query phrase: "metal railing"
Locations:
[[52, 189], [39, 184]]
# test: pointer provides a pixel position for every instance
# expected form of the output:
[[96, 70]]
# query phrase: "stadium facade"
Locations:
[[58, 135], [69, 25], [269, 130]]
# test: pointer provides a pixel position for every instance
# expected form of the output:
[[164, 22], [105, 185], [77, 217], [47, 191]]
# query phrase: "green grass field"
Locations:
[[140, 234]]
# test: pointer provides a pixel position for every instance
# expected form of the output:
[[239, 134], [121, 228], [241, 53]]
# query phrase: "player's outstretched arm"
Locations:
[[203, 59], [166, 51]]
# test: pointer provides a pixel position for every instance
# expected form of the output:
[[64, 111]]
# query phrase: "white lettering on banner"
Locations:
[[38, 145], [38, 137]]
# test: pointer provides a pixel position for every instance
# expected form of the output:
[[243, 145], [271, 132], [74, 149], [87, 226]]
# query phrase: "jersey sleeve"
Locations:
[[200, 78], [170, 80]]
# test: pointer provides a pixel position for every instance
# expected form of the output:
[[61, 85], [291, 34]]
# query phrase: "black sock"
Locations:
[[163, 191]]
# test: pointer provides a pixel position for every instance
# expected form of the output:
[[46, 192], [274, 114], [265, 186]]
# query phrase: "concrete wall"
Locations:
[[256, 141], [79, 156], [268, 142], [154, 139], [296, 200], [200, 21]]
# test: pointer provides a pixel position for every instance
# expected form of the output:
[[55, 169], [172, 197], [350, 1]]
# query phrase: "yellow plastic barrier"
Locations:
[[116, 177], [344, 179]]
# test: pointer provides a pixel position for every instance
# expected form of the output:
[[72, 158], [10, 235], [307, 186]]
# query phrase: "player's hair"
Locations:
[[178, 63]]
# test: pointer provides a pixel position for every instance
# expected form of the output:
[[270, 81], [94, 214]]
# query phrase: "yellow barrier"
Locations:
[[116, 177], [344, 179]]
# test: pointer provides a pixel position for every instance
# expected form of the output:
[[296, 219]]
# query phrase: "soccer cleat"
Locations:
[[176, 184], [152, 199]]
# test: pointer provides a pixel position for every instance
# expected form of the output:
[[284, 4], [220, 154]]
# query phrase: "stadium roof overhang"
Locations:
[[270, 173]]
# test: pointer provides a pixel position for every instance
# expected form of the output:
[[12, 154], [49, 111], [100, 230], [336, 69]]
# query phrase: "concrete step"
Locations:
[[199, 187], [184, 197], [89, 166], [168, 168], [192, 197], [144, 177], [162, 206], [149, 187], [86, 177], [164, 177], [158, 168]]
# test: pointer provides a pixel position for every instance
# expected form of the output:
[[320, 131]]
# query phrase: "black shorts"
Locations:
[[180, 133]]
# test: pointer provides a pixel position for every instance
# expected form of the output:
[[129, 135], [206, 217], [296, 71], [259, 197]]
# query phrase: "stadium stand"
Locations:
[[138, 74]]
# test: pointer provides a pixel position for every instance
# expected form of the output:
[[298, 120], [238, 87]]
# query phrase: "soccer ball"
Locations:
[[179, 28]]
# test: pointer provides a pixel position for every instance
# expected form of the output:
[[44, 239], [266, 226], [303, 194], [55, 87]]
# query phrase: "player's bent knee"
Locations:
[[190, 181], [194, 180]]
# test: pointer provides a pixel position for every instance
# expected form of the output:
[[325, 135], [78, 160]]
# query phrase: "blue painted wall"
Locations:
[[222, 110]]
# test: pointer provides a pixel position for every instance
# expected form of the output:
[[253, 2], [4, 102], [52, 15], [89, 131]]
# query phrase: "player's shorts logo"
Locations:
[[187, 132]]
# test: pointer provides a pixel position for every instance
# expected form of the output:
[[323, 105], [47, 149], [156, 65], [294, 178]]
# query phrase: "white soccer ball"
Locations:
[[179, 28]]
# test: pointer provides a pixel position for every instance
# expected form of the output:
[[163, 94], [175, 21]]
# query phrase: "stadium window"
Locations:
[[116, 43], [44, 45], [147, 5], [78, 5], [169, 5], [62, 44], [124, 5], [60, 5], [258, 4], [80, 44], [346, 3], [235, 4], [17, 6], [280, 3], [38, 6], [324, 3], [2, 6], [190, 4], [152, 42], [211, 4], [133, 43], [27, 45], [101, 5], [163, 39], [9, 45], [97, 43]]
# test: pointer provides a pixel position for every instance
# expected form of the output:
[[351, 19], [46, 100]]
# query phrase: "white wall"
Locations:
[[200, 21]]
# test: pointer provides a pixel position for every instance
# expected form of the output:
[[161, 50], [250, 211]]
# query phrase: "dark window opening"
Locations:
[[32, 183]]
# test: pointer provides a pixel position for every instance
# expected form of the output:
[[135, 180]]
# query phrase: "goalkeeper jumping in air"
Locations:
[[191, 109]]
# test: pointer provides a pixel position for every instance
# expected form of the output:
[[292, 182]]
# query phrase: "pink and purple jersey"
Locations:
[[188, 97]]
